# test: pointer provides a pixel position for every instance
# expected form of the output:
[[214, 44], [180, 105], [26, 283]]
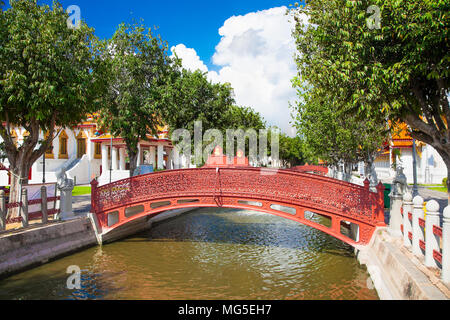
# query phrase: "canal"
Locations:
[[206, 254]]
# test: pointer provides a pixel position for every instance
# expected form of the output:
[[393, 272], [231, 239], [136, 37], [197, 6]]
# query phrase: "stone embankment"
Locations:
[[31, 247], [396, 273]]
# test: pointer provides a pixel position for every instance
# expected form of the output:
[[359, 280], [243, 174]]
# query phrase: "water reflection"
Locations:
[[206, 254]]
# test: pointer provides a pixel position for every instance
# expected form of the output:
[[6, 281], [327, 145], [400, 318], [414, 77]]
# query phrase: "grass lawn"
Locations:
[[81, 191], [441, 189]]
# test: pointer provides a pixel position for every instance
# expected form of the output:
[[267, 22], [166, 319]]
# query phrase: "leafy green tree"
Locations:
[[291, 151], [192, 97], [47, 80], [244, 118], [138, 69], [336, 136], [395, 64], [246, 121]]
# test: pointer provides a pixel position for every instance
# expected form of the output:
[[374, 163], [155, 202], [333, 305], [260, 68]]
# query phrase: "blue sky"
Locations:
[[194, 23], [247, 43]]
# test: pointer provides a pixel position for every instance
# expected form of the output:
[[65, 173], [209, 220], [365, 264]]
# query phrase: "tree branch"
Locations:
[[46, 143], [444, 102], [418, 93], [415, 122]]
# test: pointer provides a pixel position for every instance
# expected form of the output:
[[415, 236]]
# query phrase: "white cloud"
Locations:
[[190, 59], [256, 55]]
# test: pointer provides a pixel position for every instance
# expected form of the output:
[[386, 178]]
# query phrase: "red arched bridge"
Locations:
[[286, 193]]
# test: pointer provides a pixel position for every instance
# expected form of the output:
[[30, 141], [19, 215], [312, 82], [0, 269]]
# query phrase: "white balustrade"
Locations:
[[407, 212], [446, 246], [425, 237], [433, 241], [417, 233]]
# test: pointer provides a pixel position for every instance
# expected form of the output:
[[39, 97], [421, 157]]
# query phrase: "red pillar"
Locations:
[[94, 184]]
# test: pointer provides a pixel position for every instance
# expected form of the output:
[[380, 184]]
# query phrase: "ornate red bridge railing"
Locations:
[[259, 189], [311, 168]]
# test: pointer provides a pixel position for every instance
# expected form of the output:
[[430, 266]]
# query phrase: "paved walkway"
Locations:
[[81, 205], [428, 194]]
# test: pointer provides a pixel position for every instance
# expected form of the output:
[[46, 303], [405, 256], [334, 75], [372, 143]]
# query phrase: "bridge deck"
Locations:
[[285, 193]]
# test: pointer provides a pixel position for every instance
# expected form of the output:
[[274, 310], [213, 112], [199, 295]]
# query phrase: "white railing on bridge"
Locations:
[[424, 235]]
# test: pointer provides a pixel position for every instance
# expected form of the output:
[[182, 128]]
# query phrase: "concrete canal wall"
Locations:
[[26, 249], [396, 274], [29, 248]]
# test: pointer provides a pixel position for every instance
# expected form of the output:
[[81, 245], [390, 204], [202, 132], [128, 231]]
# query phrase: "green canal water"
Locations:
[[206, 254]]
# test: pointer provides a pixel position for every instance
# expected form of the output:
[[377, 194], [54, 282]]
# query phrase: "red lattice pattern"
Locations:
[[314, 169], [228, 186]]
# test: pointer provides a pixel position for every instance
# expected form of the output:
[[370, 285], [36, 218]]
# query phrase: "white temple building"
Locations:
[[86, 153], [430, 166]]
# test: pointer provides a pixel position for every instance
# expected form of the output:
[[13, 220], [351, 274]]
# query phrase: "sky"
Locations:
[[247, 43]]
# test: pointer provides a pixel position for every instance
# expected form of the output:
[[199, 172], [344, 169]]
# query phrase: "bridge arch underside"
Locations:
[[347, 229]]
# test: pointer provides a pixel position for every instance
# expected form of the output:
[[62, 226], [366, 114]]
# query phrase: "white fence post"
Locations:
[[66, 202], [3, 210], [446, 246], [24, 211], [44, 205], [407, 209], [417, 233], [395, 219], [432, 242]]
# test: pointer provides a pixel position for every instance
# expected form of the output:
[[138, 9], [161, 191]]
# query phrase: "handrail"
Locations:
[[265, 184]]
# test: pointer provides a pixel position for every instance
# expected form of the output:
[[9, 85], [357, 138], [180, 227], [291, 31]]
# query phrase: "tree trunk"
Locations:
[[21, 170], [367, 167], [21, 158], [348, 171], [133, 160], [446, 158]]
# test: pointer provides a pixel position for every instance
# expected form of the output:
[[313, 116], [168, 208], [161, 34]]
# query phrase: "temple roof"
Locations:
[[401, 137], [91, 121]]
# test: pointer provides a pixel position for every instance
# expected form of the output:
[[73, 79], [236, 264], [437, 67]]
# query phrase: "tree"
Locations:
[[192, 97], [337, 136], [244, 122], [138, 69], [47, 80], [397, 67], [244, 118], [291, 151]]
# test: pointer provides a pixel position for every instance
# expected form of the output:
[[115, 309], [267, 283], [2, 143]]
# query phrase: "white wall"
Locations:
[[431, 169]]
